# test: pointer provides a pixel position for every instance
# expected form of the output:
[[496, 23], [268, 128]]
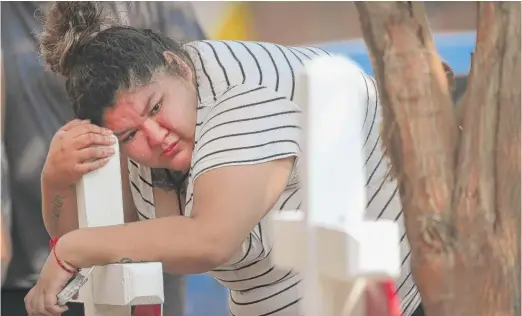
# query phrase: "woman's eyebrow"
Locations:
[[148, 105], [146, 109]]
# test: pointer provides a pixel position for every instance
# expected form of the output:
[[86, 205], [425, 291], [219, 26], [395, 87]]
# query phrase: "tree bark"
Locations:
[[458, 168]]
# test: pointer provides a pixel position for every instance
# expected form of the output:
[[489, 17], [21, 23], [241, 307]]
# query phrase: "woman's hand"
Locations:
[[79, 147], [42, 298]]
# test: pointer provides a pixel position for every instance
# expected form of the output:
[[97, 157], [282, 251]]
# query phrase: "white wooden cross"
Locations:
[[330, 242], [114, 288]]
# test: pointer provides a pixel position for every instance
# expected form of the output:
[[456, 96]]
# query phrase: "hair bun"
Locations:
[[68, 24]]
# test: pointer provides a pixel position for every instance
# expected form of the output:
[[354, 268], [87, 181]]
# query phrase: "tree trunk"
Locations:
[[458, 168]]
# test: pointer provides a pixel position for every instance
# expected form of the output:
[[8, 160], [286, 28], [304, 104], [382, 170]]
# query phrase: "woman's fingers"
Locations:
[[28, 300], [90, 154], [72, 124], [42, 310], [35, 304], [87, 167], [90, 139], [51, 305], [81, 129]]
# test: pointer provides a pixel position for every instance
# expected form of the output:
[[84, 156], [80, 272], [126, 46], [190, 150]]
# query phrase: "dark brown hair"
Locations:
[[97, 57]]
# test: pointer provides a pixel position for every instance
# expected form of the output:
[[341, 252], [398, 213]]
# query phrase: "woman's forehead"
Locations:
[[128, 107], [138, 94], [131, 102]]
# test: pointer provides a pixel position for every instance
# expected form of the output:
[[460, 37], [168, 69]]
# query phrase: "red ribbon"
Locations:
[[52, 244]]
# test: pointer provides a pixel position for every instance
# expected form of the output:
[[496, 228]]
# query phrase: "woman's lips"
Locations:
[[171, 150]]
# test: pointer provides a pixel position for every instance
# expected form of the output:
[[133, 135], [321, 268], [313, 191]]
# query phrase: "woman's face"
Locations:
[[155, 123]]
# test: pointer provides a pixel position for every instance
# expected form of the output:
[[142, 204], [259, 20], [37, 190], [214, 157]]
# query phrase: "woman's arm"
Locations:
[[60, 209], [237, 180], [220, 222]]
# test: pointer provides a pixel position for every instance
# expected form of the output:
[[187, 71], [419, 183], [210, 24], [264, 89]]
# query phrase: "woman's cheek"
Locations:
[[138, 150]]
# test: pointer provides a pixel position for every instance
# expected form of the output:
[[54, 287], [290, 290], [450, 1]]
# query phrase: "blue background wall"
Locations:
[[454, 48]]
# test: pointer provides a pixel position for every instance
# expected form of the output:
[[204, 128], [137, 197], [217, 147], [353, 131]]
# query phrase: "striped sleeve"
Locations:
[[248, 124]]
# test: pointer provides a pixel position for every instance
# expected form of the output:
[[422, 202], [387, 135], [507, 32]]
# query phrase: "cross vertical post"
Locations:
[[330, 243], [112, 289]]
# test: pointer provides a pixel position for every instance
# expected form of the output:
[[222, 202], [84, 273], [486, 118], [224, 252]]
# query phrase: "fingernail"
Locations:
[[110, 150], [86, 121], [107, 131]]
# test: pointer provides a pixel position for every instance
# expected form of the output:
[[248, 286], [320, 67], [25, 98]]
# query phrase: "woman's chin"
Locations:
[[180, 162]]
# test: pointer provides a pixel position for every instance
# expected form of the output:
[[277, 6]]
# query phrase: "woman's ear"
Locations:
[[177, 63], [170, 57]]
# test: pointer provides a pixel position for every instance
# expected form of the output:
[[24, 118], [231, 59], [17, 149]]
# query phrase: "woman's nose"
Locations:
[[155, 132]]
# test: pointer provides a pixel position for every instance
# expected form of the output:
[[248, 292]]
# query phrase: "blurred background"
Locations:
[[310, 22], [331, 25]]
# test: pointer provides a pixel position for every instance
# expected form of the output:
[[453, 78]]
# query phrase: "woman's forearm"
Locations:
[[59, 209], [182, 244]]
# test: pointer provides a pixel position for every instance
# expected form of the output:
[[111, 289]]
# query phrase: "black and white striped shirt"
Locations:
[[246, 115]]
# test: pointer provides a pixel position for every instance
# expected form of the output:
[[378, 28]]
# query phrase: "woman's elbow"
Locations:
[[214, 246], [205, 248], [215, 254], [200, 258]]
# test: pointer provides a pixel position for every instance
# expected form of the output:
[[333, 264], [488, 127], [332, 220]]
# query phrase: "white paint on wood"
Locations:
[[129, 284], [331, 243], [332, 162], [112, 289]]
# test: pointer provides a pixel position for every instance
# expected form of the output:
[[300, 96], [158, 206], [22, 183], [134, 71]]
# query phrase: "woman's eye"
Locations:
[[130, 136], [155, 109]]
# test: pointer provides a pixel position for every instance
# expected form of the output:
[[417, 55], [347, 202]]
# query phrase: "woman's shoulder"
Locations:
[[222, 64], [248, 123], [244, 103]]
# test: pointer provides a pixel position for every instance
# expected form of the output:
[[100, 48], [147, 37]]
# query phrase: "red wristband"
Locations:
[[52, 244]]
